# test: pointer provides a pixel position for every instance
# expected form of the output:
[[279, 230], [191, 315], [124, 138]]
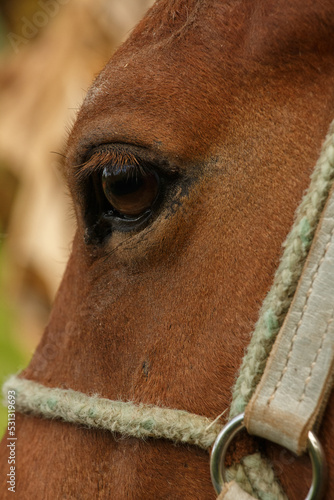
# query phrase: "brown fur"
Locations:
[[237, 96]]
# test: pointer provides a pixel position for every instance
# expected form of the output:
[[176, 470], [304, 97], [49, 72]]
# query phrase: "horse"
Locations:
[[186, 164]]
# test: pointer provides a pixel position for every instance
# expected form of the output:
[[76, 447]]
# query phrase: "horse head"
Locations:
[[186, 164]]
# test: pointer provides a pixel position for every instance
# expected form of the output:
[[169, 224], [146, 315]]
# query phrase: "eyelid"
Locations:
[[103, 158], [124, 154]]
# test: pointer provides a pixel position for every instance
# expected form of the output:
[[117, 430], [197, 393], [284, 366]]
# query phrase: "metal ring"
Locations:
[[319, 468]]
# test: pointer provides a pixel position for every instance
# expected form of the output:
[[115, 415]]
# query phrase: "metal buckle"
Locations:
[[319, 467]]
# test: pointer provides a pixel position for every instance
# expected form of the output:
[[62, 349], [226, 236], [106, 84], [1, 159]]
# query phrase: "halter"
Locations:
[[144, 421]]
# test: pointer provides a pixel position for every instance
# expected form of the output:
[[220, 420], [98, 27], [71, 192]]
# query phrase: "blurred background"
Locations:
[[50, 52]]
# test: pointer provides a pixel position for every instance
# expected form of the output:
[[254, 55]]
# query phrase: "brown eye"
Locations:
[[131, 190]]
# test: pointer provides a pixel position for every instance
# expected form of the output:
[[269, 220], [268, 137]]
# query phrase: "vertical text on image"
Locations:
[[11, 442]]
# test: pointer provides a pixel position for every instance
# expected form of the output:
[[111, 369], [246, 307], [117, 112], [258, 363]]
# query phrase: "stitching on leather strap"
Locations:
[[308, 379], [303, 310]]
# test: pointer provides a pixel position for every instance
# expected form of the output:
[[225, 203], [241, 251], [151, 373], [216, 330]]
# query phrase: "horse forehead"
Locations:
[[194, 76], [174, 35], [164, 84], [204, 49], [201, 33]]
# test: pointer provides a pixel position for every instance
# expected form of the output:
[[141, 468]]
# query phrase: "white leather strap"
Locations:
[[296, 383]]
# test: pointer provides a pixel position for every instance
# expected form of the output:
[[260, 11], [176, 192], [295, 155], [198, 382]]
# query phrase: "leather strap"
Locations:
[[295, 386]]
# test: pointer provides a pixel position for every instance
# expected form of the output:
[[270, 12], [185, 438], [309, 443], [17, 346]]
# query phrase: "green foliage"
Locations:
[[12, 357]]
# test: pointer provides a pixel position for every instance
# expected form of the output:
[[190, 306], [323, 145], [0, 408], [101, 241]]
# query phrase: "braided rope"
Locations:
[[256, 476], [141, 421], [278, 300]]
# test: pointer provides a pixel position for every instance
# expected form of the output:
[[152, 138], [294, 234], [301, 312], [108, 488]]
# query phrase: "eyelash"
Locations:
[[103, 157]]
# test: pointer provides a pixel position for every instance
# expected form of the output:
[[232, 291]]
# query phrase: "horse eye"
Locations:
[[131, 190]]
